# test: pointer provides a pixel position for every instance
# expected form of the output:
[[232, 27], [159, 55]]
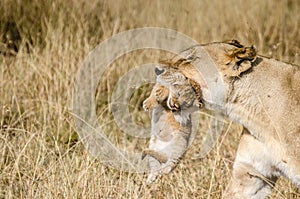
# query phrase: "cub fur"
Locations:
[[171, 121]]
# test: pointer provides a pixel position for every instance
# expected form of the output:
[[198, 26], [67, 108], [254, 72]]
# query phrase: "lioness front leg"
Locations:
[[252, 176]]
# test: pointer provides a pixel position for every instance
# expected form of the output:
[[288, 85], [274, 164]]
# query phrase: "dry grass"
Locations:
[[40, 154]]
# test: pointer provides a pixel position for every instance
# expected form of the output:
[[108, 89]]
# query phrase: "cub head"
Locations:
[[182, 91]]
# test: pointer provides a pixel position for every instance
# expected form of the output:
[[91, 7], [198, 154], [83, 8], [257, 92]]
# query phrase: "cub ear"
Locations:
[[239, 60]]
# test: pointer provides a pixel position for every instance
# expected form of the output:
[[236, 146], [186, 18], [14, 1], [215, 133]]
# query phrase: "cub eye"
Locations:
[[158, 71]]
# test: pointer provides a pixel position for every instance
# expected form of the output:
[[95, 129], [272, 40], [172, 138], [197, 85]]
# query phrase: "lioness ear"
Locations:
[[239, 60], [235, 43], [177, 60]]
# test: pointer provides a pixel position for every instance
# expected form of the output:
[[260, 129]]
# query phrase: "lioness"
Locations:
[[263, 95], [170, 125]]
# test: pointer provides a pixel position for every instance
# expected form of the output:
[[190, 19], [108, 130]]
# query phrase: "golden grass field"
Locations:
[[41, 155]]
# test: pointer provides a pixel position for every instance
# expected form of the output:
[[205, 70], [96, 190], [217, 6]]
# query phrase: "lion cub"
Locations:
[[171, 120]]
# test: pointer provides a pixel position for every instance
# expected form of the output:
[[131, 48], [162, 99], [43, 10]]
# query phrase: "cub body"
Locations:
[[171, 121]]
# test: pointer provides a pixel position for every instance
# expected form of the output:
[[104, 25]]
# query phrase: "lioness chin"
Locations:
[[263, 95]]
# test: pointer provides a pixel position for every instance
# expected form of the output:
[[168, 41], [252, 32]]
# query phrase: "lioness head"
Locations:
[[213, 66], [231, 57]]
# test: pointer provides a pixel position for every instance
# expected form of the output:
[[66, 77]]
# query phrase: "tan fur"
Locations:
[[161, 157], [182, 89], [171, 124], [263, 95]]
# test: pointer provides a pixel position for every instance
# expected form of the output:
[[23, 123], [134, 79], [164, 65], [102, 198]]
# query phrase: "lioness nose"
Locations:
[[158, 71]]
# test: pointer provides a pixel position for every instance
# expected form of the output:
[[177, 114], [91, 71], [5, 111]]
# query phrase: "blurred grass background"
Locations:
[[42, 44]]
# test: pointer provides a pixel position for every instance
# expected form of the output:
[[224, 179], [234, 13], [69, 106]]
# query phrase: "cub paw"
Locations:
[[149, 104], [151, 178], [161, 93], [170, 165]]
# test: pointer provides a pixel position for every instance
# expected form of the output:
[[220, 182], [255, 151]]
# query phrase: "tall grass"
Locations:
[[41, 155]]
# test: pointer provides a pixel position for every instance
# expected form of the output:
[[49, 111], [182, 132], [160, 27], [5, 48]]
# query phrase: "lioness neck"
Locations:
[[264, 99]]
